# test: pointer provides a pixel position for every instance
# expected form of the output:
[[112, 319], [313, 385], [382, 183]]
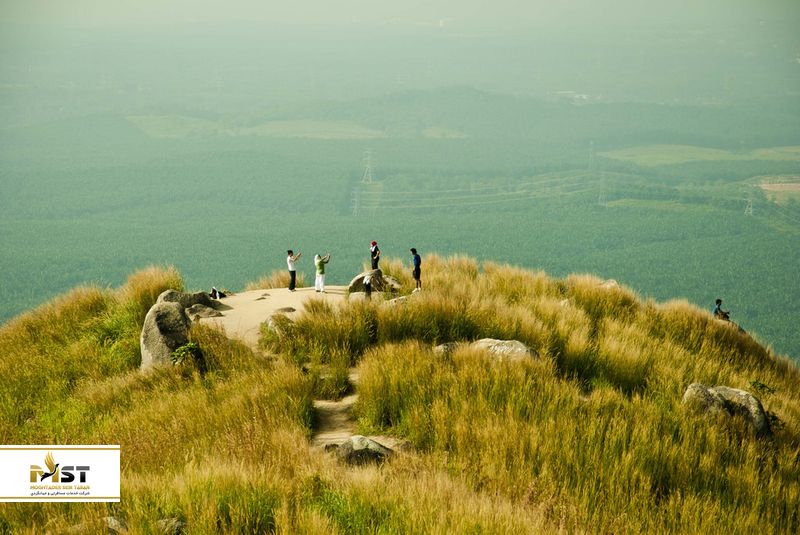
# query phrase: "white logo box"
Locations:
[[83, 473]]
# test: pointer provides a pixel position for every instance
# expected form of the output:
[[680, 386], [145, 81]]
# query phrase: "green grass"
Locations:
[[657, 155]]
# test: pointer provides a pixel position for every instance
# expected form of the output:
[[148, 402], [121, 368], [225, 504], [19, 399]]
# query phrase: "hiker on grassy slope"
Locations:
[[725, 315], [416, 262], [719, 313]]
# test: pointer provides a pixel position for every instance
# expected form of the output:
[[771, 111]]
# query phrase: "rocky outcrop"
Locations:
[[723, 400], [165, 329], [184, 299], [166, 325], [510, 350], [359, 450], [379, 282], [198, 311], [507, 350]]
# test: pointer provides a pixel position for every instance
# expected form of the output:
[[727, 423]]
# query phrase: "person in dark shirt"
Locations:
[[374, 254], [417, 262], [719, 313], [291, 258]]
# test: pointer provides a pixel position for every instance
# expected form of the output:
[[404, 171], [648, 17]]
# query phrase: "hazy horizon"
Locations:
[[510, 13]]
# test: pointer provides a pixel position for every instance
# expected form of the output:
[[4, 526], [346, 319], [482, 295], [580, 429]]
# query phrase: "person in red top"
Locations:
[[374, 254]]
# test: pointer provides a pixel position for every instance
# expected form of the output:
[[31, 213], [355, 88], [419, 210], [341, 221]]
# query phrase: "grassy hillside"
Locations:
[[591, 436]]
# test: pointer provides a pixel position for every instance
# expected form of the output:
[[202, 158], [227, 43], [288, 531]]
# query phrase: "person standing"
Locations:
[[374, 254], [319, 263], [290, 260], [417, 263], [719, 313]]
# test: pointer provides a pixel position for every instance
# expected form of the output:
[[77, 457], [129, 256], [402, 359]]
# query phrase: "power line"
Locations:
[[424, 194], [481, 201]]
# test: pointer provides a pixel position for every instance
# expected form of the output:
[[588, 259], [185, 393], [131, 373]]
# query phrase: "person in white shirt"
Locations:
[[290, 260], [319, 263]]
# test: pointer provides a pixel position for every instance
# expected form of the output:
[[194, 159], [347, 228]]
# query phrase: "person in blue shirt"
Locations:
[[719, 313], [417, 262]]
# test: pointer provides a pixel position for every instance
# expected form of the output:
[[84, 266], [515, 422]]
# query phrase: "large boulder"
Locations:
[[186, 300], [723, 400], [379, 282], [510, 350], [359, 449], [165, 329]]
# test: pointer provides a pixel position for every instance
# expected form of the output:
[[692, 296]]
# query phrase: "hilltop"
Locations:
[[587, 433]]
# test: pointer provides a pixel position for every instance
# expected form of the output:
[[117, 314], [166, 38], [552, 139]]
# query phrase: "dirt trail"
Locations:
[[243, 314]]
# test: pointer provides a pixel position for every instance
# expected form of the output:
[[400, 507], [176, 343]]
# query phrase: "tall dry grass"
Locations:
[[589, 437], [86, 334], [596, 424]]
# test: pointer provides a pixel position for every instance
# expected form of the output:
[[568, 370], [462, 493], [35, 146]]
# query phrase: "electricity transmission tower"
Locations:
[[748, 210], [367, 178], [356, 203]]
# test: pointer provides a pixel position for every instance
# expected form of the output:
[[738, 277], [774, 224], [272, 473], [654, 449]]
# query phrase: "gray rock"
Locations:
[[197, 311], [276, 323], [185, 300], [379, 282], [510, 350], [391, 284], [115, 525], [723, 400], [286, 310], [446, 348], [359, 449], [107, 524], [165, 329], [171, 526]]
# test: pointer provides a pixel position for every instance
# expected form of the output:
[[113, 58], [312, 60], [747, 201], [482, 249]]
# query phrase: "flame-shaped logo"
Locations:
[[51, 466]]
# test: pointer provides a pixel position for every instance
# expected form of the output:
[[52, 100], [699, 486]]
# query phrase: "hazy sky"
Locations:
[[497, 13]]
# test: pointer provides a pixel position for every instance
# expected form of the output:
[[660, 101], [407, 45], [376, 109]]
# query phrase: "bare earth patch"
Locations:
[[789, 186]]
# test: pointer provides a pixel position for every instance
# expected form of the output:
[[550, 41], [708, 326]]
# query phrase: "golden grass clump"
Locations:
[[86, 334]]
